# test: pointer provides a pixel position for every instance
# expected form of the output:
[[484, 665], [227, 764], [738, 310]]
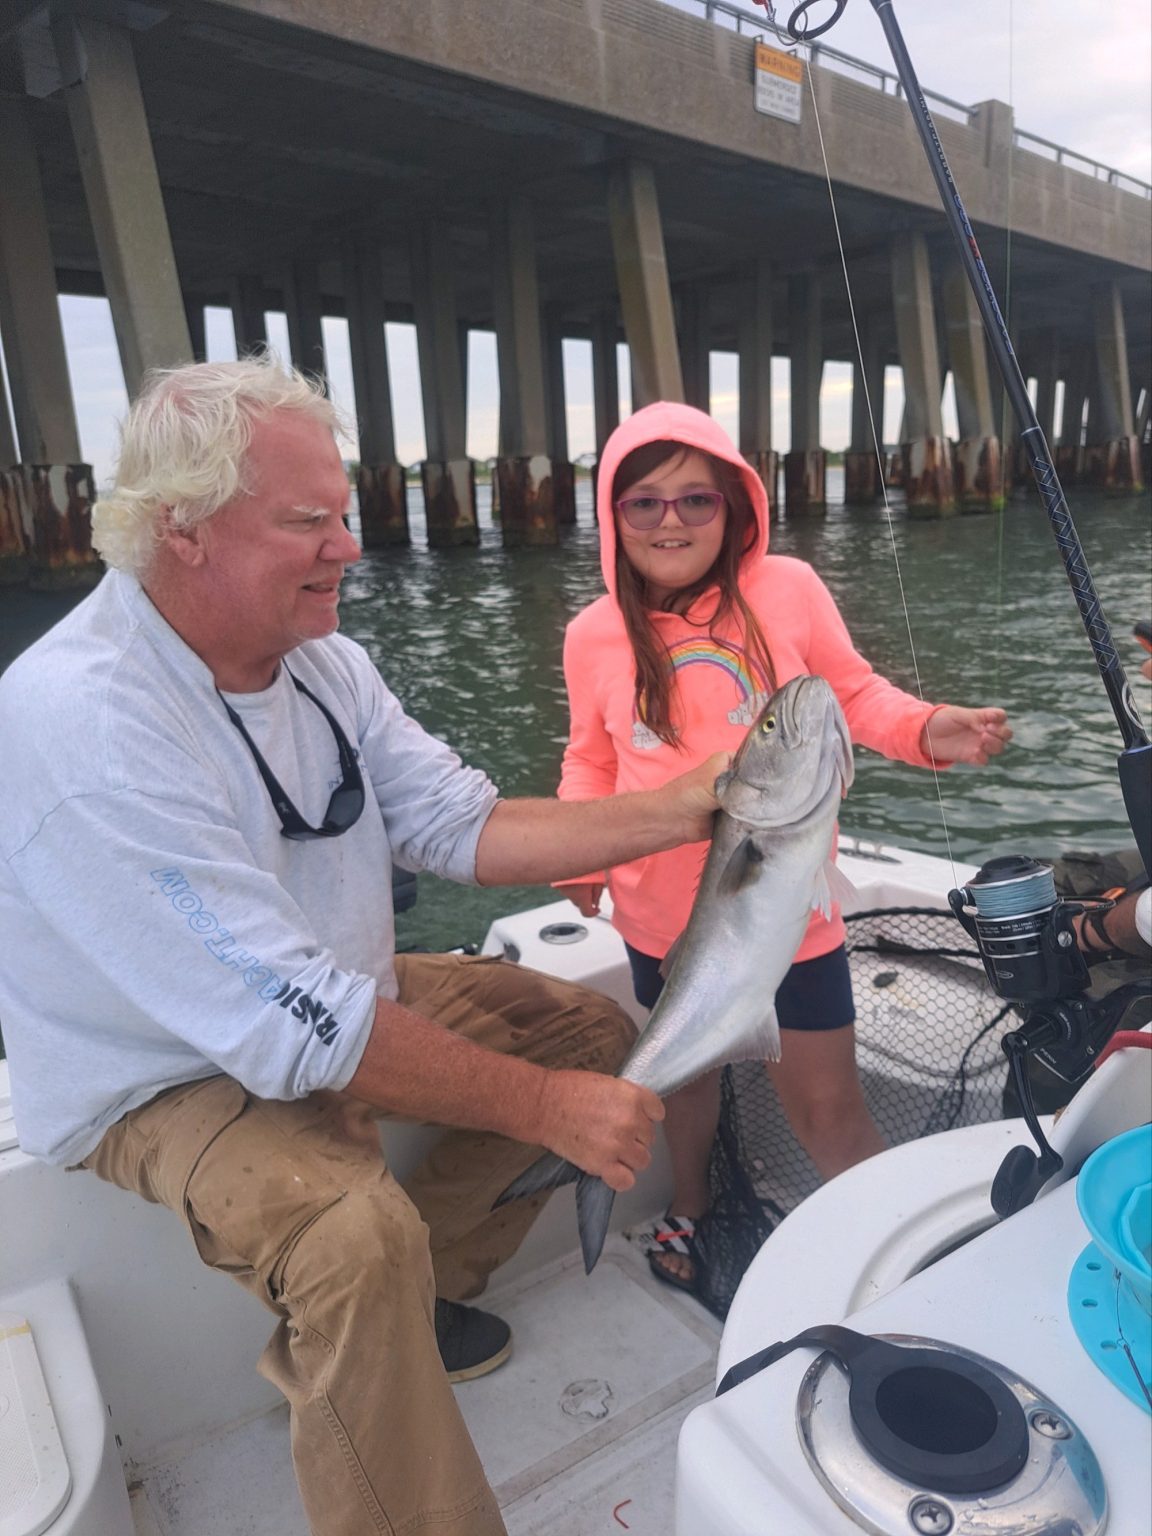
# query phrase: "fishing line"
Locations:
[[1135, 760], [863, 380], [1007, 475]]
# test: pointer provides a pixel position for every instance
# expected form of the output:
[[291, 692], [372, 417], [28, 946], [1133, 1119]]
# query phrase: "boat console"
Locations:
[[782, 1449]]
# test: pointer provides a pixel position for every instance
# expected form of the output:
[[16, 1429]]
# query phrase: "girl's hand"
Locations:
[[957, 735], [585, 898]]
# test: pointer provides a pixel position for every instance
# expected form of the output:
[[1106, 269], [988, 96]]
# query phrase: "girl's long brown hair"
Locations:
[[655, 678]]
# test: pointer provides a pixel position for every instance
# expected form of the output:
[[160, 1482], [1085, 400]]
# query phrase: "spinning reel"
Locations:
[[1027, 943]]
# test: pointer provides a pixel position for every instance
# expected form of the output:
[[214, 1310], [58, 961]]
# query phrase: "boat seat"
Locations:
[[60, 1472]]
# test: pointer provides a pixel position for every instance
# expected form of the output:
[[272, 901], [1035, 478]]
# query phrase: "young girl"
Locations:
[[699, 625]]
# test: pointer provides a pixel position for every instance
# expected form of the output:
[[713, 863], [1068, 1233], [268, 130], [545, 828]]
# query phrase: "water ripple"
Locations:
[[470, 640]]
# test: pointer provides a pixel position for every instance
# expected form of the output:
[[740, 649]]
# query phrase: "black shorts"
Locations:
[[814, 995]]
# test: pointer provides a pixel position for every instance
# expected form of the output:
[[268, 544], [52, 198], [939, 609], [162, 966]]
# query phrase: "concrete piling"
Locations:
[[650, 206]]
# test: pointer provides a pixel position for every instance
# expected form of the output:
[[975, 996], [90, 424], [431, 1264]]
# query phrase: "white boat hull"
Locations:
[[173, 1348]]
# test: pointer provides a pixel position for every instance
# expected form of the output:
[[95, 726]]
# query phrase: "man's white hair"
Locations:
[[183, 446]]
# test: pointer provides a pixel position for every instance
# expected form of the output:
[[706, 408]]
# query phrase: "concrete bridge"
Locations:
[[547, 169]]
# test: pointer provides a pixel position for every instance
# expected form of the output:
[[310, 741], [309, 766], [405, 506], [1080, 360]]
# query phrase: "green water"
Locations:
[[470, 640]]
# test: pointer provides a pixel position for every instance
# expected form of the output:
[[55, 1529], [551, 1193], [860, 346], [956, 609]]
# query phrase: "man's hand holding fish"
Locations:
[[604, 1125]]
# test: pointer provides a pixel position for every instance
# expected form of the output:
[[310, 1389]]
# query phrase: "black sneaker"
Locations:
[[472, 1342]]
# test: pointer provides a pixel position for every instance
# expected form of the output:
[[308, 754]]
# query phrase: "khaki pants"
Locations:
[[294, 1200]]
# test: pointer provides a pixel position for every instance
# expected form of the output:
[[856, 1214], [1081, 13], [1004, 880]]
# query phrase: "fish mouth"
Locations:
[[808, 709], [842, 748], [796, 698]]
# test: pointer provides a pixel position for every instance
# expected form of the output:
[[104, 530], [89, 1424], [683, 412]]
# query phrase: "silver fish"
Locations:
[[768, 866]]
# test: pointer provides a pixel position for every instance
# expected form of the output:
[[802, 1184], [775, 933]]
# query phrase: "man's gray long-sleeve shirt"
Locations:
[[155, 926]]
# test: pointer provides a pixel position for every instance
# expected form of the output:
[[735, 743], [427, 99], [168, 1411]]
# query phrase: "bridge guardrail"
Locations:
[[1084, 163], [745, 24]]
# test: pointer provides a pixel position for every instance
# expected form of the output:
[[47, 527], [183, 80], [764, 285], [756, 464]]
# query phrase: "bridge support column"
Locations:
[[862, 462], [197, 327], [642, 277], [1016, 470], [754, 343], [695, 345], [1115, 430], [1047, 363], [13, 530], [106, 111], [805, 466], [1142, 435], [927, 458], [1143, 415], [754, 357], [248, 322], [524, 469], [977, 478], [304, 312], [8, 451], [1047, 372], [556, 412], [380, 477], [58, 499], [1069, 455], [605, 379], [447, 473], [45, 491], [605, 383]]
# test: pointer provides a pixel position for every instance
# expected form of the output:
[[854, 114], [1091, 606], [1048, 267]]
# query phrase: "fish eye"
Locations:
[[768, 724]]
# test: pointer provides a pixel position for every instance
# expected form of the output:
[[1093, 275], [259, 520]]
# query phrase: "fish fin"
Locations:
[[832, 885], [843, 891], [742, 868], [546, 1173], [669, 959], [773, 1049], [764, 1045], [761, 1044], [594, 1201]]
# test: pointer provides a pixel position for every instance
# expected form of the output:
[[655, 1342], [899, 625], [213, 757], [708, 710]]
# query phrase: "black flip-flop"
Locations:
[[675, 1234]]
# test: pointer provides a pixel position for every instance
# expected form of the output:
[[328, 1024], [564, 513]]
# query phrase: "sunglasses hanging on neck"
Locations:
[[347, 800]]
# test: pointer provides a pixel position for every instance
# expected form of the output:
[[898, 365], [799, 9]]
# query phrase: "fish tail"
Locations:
[[546, 1173], [594, 1201]]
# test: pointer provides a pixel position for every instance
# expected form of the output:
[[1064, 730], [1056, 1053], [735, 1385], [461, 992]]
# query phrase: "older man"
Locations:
[[205, 789]]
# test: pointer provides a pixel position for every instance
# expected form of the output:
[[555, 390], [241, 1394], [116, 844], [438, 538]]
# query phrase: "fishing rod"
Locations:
[[1134, 764]]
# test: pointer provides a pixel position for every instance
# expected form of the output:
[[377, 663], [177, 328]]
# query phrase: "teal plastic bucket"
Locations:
[[1110, 1288]]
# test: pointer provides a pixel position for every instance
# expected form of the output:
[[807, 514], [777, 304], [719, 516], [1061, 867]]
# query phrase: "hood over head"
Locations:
[[665, 421]]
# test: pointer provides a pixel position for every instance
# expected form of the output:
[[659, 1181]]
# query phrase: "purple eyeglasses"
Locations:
[[693, 509]]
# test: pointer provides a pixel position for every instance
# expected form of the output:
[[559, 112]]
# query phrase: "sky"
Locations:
[[1077, 75]]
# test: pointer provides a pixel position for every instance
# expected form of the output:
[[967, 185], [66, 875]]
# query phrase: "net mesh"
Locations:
[[928, 1031]]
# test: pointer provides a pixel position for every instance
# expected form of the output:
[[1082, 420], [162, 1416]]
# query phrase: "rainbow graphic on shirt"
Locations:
[[747, 679]]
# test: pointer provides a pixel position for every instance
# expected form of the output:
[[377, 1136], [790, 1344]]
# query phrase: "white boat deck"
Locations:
[[577, 1432]]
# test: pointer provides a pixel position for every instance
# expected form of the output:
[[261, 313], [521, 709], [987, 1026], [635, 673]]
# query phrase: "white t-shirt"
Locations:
[[156, 927]]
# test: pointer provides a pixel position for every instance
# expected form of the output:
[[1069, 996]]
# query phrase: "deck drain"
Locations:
[[588, 1401]]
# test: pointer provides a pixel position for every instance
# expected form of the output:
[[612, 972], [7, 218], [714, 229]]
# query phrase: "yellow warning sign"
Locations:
[[779, 83]]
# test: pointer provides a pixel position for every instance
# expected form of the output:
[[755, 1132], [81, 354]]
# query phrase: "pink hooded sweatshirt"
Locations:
[[718, 690]]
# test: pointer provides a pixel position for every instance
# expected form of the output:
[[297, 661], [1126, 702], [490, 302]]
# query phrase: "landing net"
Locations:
[[928, 1030]]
